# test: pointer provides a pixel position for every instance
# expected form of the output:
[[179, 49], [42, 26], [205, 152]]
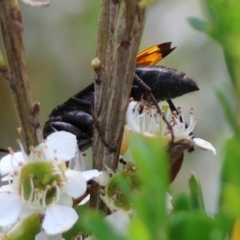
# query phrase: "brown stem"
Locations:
[[117, 49], [16, 74]]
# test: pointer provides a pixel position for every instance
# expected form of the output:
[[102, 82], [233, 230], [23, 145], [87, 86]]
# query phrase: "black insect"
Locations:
[[75, 116]]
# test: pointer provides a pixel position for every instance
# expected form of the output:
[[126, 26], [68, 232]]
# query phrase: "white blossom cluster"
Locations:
[[41, 188], [149, 122], [40, 183]]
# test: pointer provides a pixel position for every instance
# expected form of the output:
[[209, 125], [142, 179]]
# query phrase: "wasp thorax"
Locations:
[[41, 183]]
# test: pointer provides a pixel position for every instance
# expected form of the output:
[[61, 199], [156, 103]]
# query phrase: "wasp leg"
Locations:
[[83, 105]]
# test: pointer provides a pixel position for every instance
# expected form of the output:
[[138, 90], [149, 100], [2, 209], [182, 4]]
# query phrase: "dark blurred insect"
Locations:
[[74, 115]]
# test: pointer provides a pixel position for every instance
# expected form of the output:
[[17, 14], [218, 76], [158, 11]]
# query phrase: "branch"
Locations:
[[117, 49], [16, 74]]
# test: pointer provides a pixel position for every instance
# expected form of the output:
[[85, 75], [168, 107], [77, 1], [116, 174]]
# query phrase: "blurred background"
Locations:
[[60, 42]]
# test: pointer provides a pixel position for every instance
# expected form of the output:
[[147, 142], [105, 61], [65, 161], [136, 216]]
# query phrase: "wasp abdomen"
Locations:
[[166, 83]]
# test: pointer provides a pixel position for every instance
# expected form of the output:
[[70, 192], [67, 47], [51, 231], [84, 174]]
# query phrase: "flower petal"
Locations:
[[6, 188], [58, 219], [76, 184], [61, 145], [169, 206], [65, 200], [28, 210], [10, 162], [44, 236], [119, 221], [90, 174], [85, 200], [7, 178], [201, 143], [77, 163], [10, 208], [103, 178], [130, 119]]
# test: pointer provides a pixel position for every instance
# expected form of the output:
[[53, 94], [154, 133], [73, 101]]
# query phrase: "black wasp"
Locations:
[[74, 115]]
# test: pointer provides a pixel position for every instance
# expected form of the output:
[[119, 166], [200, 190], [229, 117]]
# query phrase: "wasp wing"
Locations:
[[154, 54]]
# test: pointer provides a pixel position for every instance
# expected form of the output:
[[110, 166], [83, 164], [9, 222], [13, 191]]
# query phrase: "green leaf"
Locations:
[[95, 224], [194, 225], [224, 17], [231, 167], [230, 195], [231, 199], [138, 230], [199, 24], [152, 167], [181, 203], [196, 192]]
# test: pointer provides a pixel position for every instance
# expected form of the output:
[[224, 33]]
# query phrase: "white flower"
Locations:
[[146, 120], [204, 145], [41, 183], [119, 221], [143, 119], [169, 205], [44, 236]]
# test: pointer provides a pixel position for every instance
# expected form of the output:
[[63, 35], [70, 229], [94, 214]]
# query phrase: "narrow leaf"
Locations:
[[196, 192]]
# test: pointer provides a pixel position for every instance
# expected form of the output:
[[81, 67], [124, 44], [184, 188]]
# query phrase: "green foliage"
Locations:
[[187, 220], [197, 226], [196, 193], [94, 222], [223, 27], [199, 24], [150, 205], [181, 203], [150, 217], [231, 179]]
